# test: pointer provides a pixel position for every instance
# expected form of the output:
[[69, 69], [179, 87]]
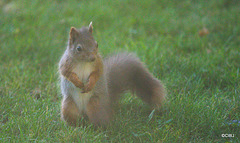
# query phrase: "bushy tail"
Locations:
[[126, 72]]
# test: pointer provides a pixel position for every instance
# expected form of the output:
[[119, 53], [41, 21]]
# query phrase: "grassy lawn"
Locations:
[[201, 73]]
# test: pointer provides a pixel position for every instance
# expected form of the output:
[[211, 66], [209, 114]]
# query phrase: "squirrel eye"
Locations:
[[79, 48]]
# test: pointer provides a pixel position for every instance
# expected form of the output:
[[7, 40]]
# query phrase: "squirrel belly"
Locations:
[[83, 70]]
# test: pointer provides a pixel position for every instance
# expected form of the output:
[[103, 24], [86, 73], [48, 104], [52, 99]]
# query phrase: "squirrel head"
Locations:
[[82, 45]]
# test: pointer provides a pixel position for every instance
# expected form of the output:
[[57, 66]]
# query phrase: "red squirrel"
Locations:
[[90, 86]]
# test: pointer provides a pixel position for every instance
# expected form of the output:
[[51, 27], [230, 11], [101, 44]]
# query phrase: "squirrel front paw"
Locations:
[[80, 85], [87, 88]]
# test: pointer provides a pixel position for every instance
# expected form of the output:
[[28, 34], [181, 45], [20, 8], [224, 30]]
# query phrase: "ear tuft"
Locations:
[[90, 27], [73, 34]]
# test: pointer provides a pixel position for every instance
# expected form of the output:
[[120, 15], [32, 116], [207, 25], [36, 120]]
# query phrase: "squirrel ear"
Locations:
[[73, 34], [90, 27]]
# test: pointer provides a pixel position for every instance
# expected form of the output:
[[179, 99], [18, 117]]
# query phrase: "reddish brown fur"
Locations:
[[94, 76], [70, 112], [98, 111], [66, 67], [118, 74]]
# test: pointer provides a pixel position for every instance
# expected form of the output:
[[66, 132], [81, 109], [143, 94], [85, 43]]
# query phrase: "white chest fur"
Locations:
[[83, 71]]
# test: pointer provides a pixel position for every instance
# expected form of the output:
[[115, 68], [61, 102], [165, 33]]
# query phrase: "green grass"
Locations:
[[201, 74]]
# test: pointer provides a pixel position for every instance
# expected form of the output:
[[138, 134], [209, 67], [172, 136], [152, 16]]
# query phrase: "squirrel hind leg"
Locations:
[[70, 112], [99, 111]]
